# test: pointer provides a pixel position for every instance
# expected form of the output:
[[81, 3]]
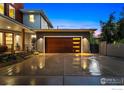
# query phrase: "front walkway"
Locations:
[[63, 69]]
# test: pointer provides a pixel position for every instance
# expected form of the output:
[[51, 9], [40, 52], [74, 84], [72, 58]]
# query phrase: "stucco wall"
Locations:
[[115, 50], [103, 48], [40, 45], [85, 43], [28, 41]]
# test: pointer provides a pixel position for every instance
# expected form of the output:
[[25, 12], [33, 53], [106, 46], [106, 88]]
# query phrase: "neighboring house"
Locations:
[[18, 27]]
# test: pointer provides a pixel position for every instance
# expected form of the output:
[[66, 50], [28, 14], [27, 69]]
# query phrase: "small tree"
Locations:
[[109, 29], [121, 24]]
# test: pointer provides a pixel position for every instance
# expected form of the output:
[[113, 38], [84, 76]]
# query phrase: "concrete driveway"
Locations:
[[64, 69]]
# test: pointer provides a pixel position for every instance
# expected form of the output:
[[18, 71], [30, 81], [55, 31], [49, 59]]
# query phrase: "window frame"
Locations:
[[10, 6], [3, 9], [32, 20], [1, 36]]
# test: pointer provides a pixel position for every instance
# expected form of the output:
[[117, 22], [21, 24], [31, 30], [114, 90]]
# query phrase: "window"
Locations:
[[11, 11], [1, 38], [1, 8], [76, 38], [31, 18], [9, 38]]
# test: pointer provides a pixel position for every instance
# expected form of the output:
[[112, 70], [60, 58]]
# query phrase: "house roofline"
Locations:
[[64, 30], [16, 22]]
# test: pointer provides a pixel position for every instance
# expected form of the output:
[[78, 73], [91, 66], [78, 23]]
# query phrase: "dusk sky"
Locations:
[[77, 15]]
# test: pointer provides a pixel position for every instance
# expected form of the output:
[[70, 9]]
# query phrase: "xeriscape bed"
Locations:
[[9, 59]]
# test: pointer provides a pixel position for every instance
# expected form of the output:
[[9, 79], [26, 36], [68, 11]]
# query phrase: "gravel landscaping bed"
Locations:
[[9, 59]]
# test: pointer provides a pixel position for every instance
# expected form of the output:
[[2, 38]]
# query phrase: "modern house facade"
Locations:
[[13, 33], [63, 40], [18, 27]]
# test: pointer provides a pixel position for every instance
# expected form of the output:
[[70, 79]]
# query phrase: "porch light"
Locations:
[[41, 39], [8, 27], [33, 36], [84, 39]]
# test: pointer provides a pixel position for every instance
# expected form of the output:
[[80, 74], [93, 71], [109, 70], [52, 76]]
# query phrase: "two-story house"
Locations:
[[19, 27], [17, 24]]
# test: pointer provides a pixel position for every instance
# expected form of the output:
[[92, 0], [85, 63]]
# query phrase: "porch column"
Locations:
[[23, 39], [12, 42]]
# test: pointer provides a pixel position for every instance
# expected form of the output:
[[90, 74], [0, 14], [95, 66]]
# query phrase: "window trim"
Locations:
[[2, 42], [3, 9], [10, 6]]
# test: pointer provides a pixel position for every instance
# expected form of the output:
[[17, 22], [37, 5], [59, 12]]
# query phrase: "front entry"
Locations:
[[62, 44]]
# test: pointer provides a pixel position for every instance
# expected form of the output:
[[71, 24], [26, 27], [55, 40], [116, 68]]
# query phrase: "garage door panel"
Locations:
[[60, 45]]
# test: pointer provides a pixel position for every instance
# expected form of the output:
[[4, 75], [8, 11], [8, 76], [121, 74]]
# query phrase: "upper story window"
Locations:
[[1, 8], [31, 18], [11, 11]]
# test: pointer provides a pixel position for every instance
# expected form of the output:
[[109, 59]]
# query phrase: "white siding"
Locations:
[[44, 24], [35, 25]]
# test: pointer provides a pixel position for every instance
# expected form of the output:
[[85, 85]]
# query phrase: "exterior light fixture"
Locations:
[[33, 36], [8, 27]]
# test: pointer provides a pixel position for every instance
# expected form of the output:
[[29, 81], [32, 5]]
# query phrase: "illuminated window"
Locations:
[[76, 46], [11, 11], [76, 42], [76, 38], [77, 50], [2, 8], [9, 39], [1, 38], [31, 18]]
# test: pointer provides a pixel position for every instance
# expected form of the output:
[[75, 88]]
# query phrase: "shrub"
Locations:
[[121, 41], [3, 48]]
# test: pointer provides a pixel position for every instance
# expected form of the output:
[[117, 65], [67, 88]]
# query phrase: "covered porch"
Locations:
[[14, 36]]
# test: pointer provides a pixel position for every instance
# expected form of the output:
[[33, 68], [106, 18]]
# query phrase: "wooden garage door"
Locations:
[[62, 45]]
